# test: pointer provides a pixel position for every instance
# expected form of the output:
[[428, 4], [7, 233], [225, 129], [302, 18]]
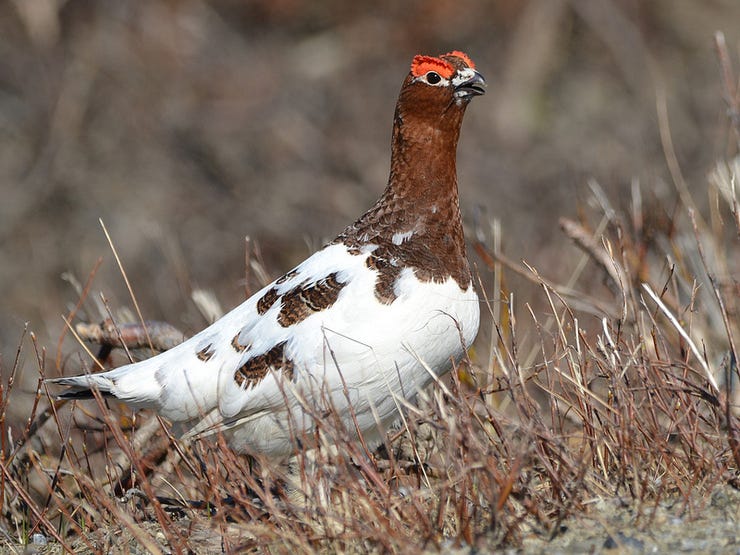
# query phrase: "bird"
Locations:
[[357, 329]]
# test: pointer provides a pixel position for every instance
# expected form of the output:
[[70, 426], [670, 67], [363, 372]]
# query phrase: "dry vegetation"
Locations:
[[641, 409], [609, 378]]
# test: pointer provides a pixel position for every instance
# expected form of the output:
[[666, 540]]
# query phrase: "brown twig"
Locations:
[[160, 336]]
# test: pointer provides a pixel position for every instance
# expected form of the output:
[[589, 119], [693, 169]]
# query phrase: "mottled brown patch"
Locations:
[[433, 254], [238, 347], [299, 303], [206, 353], [285, 277], [387, 275], [267, 300], [256, 368]]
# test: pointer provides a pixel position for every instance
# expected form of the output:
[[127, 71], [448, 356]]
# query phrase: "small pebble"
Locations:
[[624, 541]]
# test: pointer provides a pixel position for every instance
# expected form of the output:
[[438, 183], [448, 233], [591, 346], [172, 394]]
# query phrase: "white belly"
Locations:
[[367, 361]]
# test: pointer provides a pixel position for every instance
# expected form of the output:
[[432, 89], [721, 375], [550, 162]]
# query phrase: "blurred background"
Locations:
[[187, 125]]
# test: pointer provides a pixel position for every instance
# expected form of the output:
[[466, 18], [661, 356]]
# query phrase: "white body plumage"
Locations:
[[358, 353]]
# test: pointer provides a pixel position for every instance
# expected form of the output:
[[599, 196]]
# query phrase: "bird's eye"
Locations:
[[433, 78]]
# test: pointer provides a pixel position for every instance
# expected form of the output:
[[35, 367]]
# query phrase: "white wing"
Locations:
[[191, 379]]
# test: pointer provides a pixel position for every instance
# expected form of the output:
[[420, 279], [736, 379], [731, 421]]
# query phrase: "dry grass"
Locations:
[[628, 395]]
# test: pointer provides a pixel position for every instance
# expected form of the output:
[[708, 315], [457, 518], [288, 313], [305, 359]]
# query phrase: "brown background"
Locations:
[[187, 125]]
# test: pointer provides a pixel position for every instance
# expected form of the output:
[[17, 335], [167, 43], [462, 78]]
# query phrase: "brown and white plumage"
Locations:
[[359, 325]]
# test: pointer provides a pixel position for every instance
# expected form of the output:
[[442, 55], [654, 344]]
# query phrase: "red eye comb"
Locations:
[[425, 64], [463, 56]]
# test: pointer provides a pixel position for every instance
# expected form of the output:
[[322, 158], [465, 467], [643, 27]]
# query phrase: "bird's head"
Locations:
[[438, 89]]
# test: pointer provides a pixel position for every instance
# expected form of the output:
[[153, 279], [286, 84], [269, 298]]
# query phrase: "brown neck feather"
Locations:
[[421, 199]]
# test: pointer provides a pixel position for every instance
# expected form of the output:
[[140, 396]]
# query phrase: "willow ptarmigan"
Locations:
[[358, 326]]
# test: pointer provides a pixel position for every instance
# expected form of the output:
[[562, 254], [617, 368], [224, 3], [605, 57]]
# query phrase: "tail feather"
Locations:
[[81, 387], [136, 384]]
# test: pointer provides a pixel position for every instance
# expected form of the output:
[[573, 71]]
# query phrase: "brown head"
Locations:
[[435, 94], [427, 123]]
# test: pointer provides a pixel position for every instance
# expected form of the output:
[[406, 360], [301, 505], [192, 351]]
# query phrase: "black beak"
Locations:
[[474, 86]]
